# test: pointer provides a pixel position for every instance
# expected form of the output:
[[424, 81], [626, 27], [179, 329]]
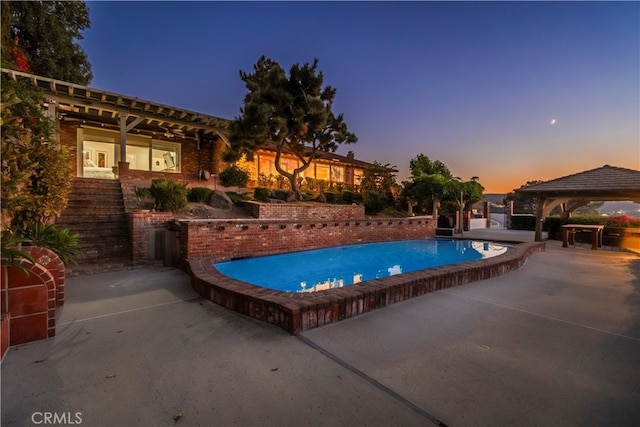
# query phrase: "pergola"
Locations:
[[72, 100], [606, 183]]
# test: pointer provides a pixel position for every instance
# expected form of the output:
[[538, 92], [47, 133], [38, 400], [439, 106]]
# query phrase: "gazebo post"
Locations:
[[540, 218]]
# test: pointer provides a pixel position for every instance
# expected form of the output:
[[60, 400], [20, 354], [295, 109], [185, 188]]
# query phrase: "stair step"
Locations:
[[96, 212], [90, 198], [89, 212], [79, 224]]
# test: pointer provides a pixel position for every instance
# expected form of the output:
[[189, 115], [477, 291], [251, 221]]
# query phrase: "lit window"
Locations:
[[337, 174], [165, 156]]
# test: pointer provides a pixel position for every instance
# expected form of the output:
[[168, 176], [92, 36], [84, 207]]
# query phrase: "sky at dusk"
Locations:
[[506, 91]]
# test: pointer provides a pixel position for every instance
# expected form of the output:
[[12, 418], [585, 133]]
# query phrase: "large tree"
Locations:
[[291, 113], [422, 165], [38, 37], [45, 33], [432, 182]]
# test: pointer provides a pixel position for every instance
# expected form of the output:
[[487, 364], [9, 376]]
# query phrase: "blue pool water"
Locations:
[[335, 267]]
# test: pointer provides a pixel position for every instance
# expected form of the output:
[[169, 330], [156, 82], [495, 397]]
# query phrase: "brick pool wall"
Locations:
[[296, 312], [221, 240]]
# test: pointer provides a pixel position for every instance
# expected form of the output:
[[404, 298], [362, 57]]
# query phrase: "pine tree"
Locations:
[[289, 113]]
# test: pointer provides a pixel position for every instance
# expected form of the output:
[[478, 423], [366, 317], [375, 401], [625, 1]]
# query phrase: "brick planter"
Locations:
[[297, 312], [30, 300], [4, 334], [50, 261]]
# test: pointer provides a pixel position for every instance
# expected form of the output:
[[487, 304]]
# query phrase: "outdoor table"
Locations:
[[596, 234]]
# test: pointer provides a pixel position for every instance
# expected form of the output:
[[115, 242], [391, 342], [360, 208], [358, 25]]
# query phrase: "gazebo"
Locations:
[[606, 183]]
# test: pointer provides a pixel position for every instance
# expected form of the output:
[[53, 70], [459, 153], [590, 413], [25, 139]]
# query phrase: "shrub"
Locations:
[[282, 182], [142, 192], [552, 225], [622, 221], [523, 222], [261, 194], [310, 184], [234, 176], [264, 180], [373, 201], [322, 185], [331, 197], [36, 171], [348, 197], [170, 196], [199, 194]]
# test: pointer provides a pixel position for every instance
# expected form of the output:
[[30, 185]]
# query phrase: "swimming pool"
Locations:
[[336, 267]]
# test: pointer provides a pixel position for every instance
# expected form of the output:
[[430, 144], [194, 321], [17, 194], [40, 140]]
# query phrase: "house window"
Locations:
[[272, 167], [153, 155], [138, 155], [358, 174], [97, 159], [337, 174], [165, 156], [323, 172], [101, 151]]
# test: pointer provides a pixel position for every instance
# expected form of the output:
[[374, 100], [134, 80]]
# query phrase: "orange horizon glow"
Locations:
[[506, 184]]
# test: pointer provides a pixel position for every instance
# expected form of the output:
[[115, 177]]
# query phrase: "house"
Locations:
[[115, 136]]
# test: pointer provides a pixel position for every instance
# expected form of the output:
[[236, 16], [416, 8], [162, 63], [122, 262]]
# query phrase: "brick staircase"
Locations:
[[96, 211]]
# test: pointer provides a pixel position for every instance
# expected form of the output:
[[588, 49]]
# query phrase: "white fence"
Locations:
[[496, 221]]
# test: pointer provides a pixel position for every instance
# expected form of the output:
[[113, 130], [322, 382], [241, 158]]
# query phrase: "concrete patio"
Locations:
[[554, 343]]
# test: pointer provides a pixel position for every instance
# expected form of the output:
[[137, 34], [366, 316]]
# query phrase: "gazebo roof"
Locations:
[[603, 183]]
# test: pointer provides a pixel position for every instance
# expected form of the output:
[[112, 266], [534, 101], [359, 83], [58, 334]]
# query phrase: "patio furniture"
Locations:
[[569, 231]]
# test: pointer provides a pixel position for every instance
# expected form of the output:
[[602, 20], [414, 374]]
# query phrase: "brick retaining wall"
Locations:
[[304, 211], [296, 312], [228, 239], [143, 226]]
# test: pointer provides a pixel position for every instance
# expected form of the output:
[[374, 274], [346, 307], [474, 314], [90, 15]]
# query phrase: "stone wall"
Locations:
[[228, 239]]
